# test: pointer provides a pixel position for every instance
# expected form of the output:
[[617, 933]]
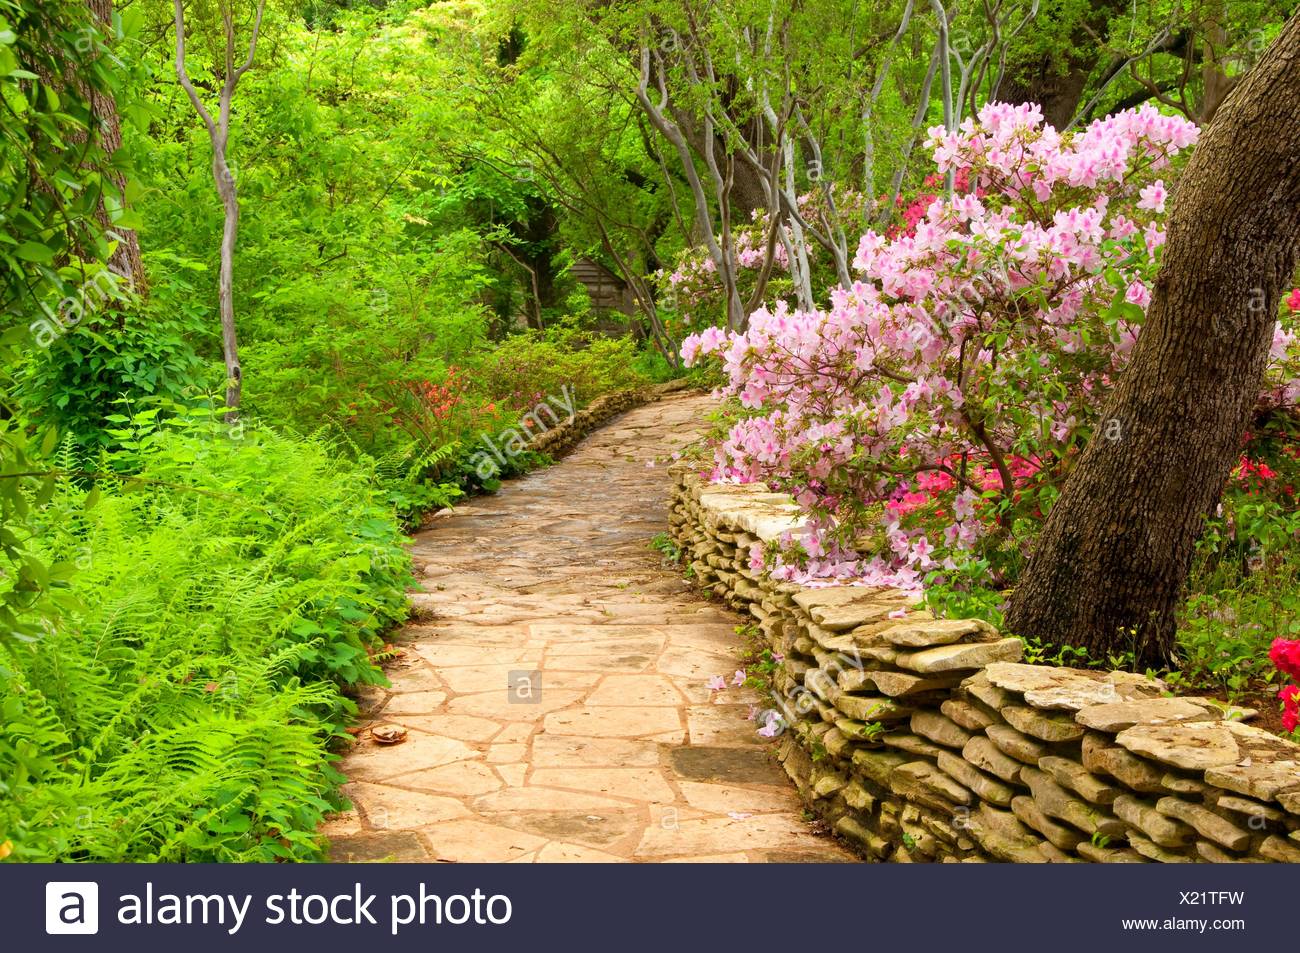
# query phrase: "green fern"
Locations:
[[184, 705]]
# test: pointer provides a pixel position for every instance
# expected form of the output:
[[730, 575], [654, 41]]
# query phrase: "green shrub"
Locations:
[[1245, 580], [415, 480], [74, 384], [530, 367]]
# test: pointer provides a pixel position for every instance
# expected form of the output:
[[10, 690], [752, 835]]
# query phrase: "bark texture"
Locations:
[[126, 260], [1112, 561], [1056, 82], [106, 133], [1059, 94], [225, 179]]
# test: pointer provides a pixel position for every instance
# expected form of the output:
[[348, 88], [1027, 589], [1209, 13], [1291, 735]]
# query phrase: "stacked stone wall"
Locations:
[[565, 435], [922, 739]]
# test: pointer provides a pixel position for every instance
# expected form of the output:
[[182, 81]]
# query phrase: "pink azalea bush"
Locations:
[[927, 417]]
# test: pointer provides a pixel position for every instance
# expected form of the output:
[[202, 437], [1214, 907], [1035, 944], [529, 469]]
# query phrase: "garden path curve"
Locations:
[[626, 755]]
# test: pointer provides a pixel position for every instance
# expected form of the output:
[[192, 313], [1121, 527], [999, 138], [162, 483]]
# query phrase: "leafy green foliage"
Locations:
[[29, 593], [1245, 585], [54, 170], [527, 368], [667, 547], [410, 479], [72, 386]]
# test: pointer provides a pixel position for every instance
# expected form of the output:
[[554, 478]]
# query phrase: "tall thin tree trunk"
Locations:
[[1110, 566], [226, 283], [219, 135]]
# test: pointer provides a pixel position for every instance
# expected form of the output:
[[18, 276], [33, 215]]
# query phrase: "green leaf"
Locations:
[[34, 251], [50, 441]]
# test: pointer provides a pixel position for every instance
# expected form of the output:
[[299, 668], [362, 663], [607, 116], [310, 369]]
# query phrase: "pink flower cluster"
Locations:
[[967, 364], [693, 286], [1010, 150]]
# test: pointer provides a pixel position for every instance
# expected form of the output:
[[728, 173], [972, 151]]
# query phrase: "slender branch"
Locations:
[[252, 43], [183, 74], [869, 106]]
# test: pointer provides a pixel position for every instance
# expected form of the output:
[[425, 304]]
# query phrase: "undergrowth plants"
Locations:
[[183, 701], [196, 600], [1245, 585]]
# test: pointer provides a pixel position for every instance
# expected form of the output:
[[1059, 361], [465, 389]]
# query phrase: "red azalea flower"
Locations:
[[1285, 654], [1290, 696]]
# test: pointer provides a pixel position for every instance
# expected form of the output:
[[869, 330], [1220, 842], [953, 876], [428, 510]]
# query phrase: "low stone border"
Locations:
[[922, 739], [564, 436]]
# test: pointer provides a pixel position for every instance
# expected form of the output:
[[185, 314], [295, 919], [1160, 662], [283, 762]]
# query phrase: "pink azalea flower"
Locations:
[[1139, 294], [1153, 196], [772, 727], [1153, 236], [716, 683]]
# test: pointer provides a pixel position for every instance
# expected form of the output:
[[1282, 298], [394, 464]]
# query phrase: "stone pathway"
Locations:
[[622, 755]]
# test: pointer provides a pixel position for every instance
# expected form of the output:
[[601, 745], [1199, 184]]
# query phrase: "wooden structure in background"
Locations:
[[607, 290]]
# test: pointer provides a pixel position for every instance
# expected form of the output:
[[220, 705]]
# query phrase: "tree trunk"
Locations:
[[219, 136], [748, 190], [537, 232], [225, 180], [126, 260], [1057, 93], [106, 132], [1108, 570], [1057, 83]]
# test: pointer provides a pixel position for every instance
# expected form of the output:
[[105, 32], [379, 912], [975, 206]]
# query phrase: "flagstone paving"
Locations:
[[623, 754]]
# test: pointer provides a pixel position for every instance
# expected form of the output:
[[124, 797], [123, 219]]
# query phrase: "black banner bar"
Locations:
[[652, 907]]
